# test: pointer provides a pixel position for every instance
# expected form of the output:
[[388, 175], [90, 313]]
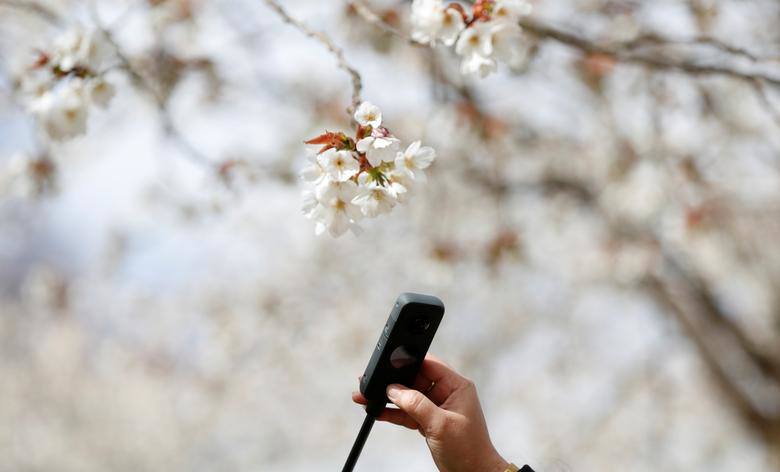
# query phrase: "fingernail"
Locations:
[[393, 391]]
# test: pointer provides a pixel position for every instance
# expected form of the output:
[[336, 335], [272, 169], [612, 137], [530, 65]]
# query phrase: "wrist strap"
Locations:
[[514, 468]]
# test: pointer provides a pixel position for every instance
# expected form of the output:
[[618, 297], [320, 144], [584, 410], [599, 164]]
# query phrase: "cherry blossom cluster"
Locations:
[[65, 79], [351, 178], [483, 37]]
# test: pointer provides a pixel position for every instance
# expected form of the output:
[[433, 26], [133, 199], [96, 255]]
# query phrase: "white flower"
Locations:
[[425, 20], [338, 165], [327, 189], [451, 25], [36, 81], [62, 111], [78, 48], [335, 211], [368, 114], [476, 40], [314, 171], [401, 184], [510, 11], [414, 160], [14, 179], [309, 203], [476, 46], [373, 198], [100, 91], [432, 21], [508, 44], [379, 147], [477, 64]]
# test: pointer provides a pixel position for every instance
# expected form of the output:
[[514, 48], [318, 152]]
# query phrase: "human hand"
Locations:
[[444, 407]]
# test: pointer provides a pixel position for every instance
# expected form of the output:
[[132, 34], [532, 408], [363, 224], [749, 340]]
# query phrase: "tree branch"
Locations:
[[42, 11], [169, 127], [357, 82], [654, 40], [631, 57], [372, 18]]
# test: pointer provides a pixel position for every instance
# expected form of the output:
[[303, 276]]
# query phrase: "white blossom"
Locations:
[[335, 211], [476, 40], [341, 189], [414, 160], [373, 198], [509, 45], [432, 21], [451, 26], [309, 203], [475, 45], [314, 172], [425, 20], [68, 78], [79, 48], [100, 92], [62, 111], [338, 165], [493, 38], [401, 184], [379, 147], [477, 64], [510, 11], [368, 114]]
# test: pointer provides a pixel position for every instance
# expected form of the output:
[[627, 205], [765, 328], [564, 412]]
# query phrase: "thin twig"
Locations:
[[763, 99], [170, 129], [357, 82], [372, 18], [631, 57], [654, 40], [40, 10]]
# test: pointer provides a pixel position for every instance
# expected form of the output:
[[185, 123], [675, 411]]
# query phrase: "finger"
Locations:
[[444, 379], [358, 397], [399, 417], [419, 407], [422, 383]]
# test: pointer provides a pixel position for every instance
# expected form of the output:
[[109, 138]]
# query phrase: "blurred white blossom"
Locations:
[[62, 111], [65, 80], [491, 34], [432, 21]]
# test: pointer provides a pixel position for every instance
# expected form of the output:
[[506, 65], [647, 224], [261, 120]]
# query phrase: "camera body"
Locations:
[[401, 348]]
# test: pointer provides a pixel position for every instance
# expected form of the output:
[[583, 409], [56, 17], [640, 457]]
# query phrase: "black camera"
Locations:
[[401, 347]]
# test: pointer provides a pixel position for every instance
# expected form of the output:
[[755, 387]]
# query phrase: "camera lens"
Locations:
[[420, 324], [402, 357]]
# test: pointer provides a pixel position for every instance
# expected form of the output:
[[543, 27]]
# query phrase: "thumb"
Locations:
[[419, 407]]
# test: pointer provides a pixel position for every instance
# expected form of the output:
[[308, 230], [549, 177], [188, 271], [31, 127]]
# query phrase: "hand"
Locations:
[[448, 415]]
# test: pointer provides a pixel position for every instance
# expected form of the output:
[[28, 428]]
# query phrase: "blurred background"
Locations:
[[602, 223]]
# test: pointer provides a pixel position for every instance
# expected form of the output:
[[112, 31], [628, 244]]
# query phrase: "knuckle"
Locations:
[[413, 400], [469, 383], [442, 426]]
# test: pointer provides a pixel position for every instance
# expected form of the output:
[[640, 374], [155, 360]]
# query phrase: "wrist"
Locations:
[[496, 463]]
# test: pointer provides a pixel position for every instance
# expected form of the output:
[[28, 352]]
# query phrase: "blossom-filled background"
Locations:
[[591, 186]]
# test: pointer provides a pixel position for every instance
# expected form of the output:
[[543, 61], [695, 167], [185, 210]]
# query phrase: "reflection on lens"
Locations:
[[420, 324], [400, 358]]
